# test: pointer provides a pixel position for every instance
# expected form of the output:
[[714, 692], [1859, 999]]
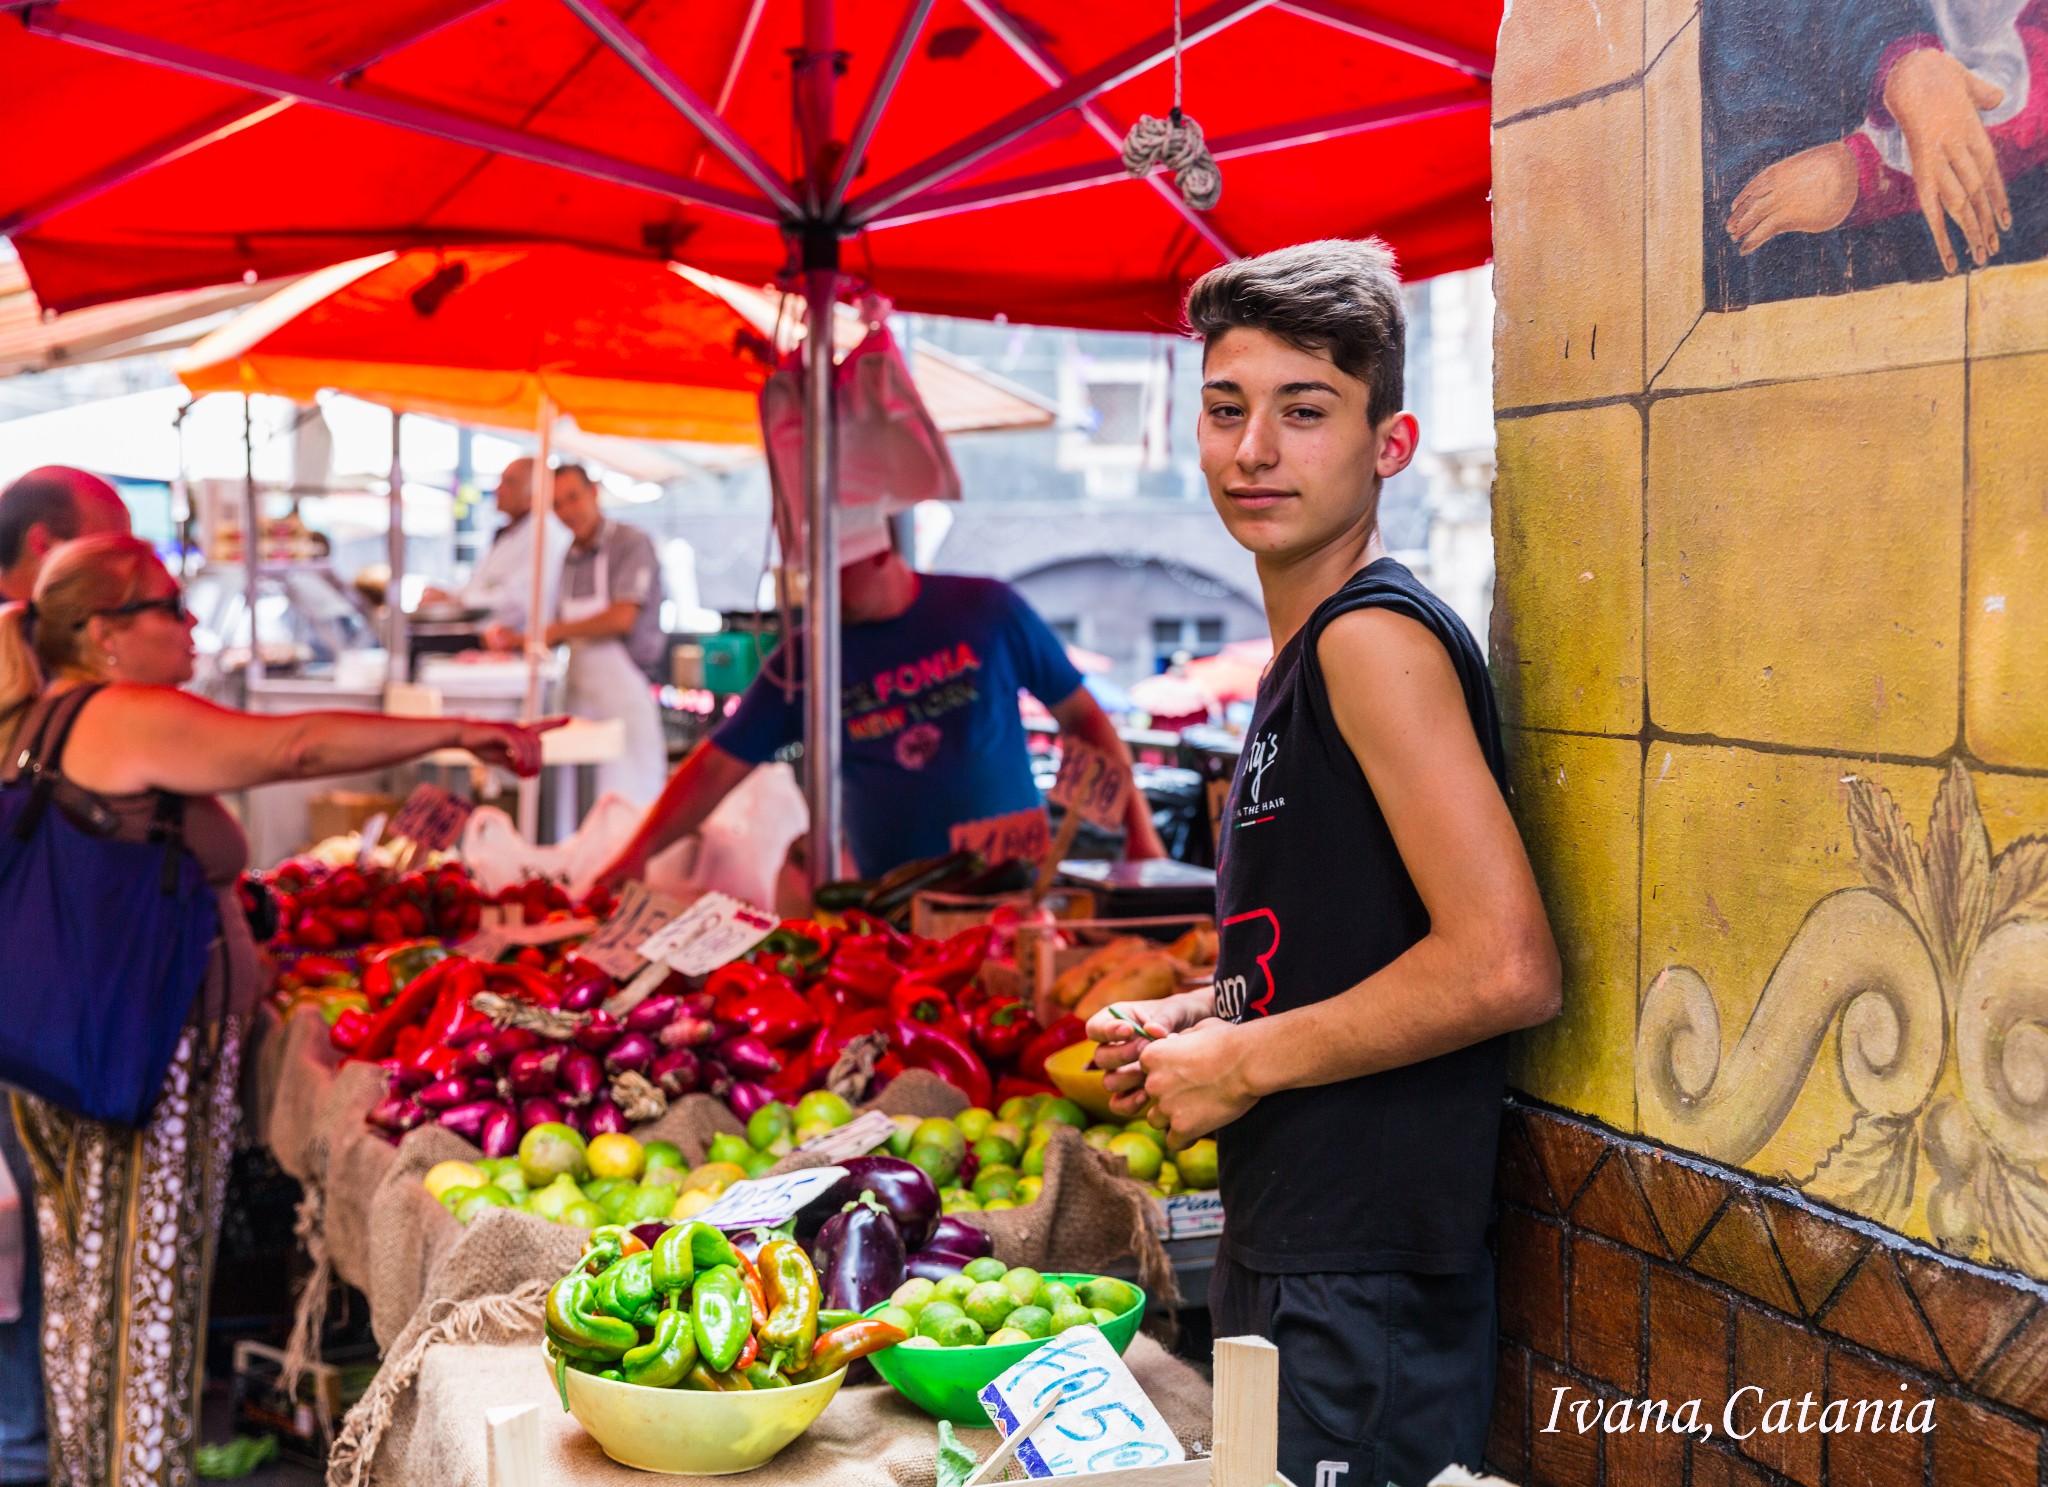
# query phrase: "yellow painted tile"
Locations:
[[1896, 325], [2013, 806], [1555, 49], [1674, 285], [1568, 608], [2006, 616], [1575, 799], [1662, 20], [1804, 562], [2009, 309], [1738, 848], [1567, 273]]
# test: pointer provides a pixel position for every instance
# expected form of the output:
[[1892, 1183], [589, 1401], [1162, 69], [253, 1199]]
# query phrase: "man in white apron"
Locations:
[[608, 612]]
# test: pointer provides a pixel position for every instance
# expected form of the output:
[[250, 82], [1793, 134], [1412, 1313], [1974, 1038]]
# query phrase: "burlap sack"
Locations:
[[292, 1064]]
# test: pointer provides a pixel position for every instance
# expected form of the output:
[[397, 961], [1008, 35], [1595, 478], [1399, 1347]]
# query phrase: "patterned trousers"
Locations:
[[127, 1221]]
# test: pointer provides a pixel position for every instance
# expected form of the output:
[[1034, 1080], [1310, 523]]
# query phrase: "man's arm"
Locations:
[[693, 792], [1081, 715], [614, 622], [1488, 964]]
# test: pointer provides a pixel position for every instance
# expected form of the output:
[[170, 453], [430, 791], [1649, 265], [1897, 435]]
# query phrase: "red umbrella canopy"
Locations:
[[163, 144]]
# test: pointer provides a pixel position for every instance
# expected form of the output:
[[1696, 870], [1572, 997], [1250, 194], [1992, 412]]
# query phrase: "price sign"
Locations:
[[431, 817], [1103, 1421], [1026, 834], [493, 940], [639, 914], [854, 1139], [1092, 783], [1189, 1215], [767, 1201], [716, 929], [373, 832]]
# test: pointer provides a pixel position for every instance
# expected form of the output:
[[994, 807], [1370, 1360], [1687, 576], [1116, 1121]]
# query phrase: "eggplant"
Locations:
[[859, 1256], [648, 1232], [634, 1051], [535, 1071], [580, 1078], [910, 1196], [934, 1264], [675, 1072], [744, 1097], [501, 1131], [467, 1120], [539, 1110], [749, 1058], [955, 1234], [598, 1034], [606, 1118], [443, 1094], [398, 1113], [652, 1015]]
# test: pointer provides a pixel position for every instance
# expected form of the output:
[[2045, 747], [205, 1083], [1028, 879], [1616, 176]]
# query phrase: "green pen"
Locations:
[[1123, 1016]]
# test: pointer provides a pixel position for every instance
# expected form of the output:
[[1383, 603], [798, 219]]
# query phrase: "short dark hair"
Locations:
[[572, 467], [45, 497], [1339, 298]]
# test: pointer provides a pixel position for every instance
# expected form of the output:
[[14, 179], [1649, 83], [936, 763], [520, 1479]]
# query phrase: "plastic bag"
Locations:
[[499, 856], [741, 846]]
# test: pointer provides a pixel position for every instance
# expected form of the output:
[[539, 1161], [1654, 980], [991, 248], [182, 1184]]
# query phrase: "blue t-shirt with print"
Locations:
[[932, 732]]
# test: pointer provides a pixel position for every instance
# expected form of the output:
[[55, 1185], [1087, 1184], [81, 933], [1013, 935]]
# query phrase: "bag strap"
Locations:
[[43, 769]]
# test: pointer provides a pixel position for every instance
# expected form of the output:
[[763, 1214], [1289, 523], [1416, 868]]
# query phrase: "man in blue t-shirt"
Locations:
[[930, 668]]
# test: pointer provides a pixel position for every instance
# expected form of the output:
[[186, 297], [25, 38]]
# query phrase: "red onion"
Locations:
[[580, 1078], [725, 1029], [675, 1072], [745, 1097], [576, 1121], [398, 1113], [634, 1051], [749, 1058], [688, 1032], [444, 1093], [598, 1034], [697, 1003], [501, 1132], [587, 986], [507, 1043], [652, 1014], [539, 1110], [467, 1120], [404, 1076], [466, 1032], [606, 1119], [536, 1070]]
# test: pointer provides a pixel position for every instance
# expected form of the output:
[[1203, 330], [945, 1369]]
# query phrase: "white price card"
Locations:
[[1188, 1215], [1103, 1420], [714, 930], [638, 914], [763, 1202], [431, 817], [1095, 784], [1026, 834], [856, 1138], [373, 832]]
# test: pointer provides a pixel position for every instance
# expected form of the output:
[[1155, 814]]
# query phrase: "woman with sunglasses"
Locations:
[[128, 1217]]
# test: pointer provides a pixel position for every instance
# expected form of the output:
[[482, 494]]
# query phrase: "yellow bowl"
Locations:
[[688, 1431], [1070, 1071]]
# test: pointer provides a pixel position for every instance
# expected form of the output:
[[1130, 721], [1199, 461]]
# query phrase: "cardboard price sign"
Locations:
[[1026, 834], [714, 930], [639, 914], [493, 940], [1101, 1420], [767, 1201], [856, 1138], [430, 817], [1092, 783]]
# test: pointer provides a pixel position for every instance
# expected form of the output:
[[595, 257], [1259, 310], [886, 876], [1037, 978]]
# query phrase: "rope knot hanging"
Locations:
[[1175, 142]]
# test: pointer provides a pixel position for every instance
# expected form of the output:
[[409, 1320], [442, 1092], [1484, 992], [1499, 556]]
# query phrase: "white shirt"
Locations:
[[503, 580]]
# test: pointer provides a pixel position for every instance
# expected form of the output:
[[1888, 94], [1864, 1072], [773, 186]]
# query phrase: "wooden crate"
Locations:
[[1040, 961], [936, 916]]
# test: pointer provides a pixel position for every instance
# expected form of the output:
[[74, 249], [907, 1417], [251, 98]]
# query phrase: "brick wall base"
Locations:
[[1631, 1275]]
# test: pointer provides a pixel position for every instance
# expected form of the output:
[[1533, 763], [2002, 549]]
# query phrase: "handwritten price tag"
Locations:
[[854, 1139], [1103, 1421], [768, 1200], [373, 832], [430, 817], [638, 915], [714, 930], [1026, 834], [1095, 784]]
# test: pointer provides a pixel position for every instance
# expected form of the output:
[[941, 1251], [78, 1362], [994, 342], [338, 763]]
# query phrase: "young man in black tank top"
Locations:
[[1381, 930]]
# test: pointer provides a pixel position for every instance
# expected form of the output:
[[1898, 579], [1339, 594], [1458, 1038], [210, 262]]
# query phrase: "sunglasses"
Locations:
[[172, 605]]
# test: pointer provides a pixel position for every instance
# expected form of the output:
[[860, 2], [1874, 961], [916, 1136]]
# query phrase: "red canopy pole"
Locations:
[[821, 450]]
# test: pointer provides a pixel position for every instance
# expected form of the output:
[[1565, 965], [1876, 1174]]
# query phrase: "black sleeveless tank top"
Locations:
[[1393, 1171]]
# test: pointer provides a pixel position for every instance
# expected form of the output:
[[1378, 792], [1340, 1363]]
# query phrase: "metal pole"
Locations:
[[821, 457], [399, 668], [252, 539], [536, 593]]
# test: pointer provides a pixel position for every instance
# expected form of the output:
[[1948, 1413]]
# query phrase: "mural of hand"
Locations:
[[1812, 191], [1937, 101]]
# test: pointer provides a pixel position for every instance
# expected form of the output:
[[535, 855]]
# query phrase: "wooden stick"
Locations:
[[1247, 1413], [1056, 853], [512, 1445], [986, 1472]]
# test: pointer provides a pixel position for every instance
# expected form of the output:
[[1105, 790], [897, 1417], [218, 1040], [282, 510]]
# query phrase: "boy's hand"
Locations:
[[1196, 1081], [1119, 1041]]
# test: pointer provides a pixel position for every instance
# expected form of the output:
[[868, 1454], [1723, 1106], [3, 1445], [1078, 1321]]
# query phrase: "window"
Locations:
[[1116, 412], [1198, 636], [1069, 631]]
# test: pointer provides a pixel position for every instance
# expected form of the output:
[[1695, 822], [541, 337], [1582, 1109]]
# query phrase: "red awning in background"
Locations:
[[155, 145]]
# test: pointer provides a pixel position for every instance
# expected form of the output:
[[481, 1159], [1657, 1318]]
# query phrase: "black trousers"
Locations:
[[1385, 1376]]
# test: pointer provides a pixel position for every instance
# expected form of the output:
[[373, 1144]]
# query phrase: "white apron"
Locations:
[[602, 682]]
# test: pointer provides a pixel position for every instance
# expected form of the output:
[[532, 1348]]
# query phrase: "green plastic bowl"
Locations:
[[947, 1382]]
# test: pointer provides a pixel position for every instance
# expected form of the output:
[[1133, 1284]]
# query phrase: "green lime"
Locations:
[[904, 1136], [602, 1188], [582, 1215], [1140, 1126], [453, 1198], [1028, 1188], [1008, 1335], [942, 1133], [1016, 1109], [549, 1201], [913, 1294], [754, 1163], [998, 1205], [1198, 1165], [671, 1178], [726, 1147], [1033, 1164], [823, 1105], [954, 1287], [662, 1154], [1168, 1180], [917, 1342], [988, 1267], [488, 1196], [773, 1123], [988, 1304], [1054, 1294], [512, 1180], [1142, 1156], [1103, 1315], [613, 1204], [1112, 1295], [1012, 1131], [958, 1200], [1063, 1110], [1023, 1282], [897, 1316], [1032, 1321], [959, 1332], [996, 1151], [1070, 1314], [646, 1204], [999, 1181], [936, 1313], [1099, 1137], [936, 1162], [974, 1122]]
